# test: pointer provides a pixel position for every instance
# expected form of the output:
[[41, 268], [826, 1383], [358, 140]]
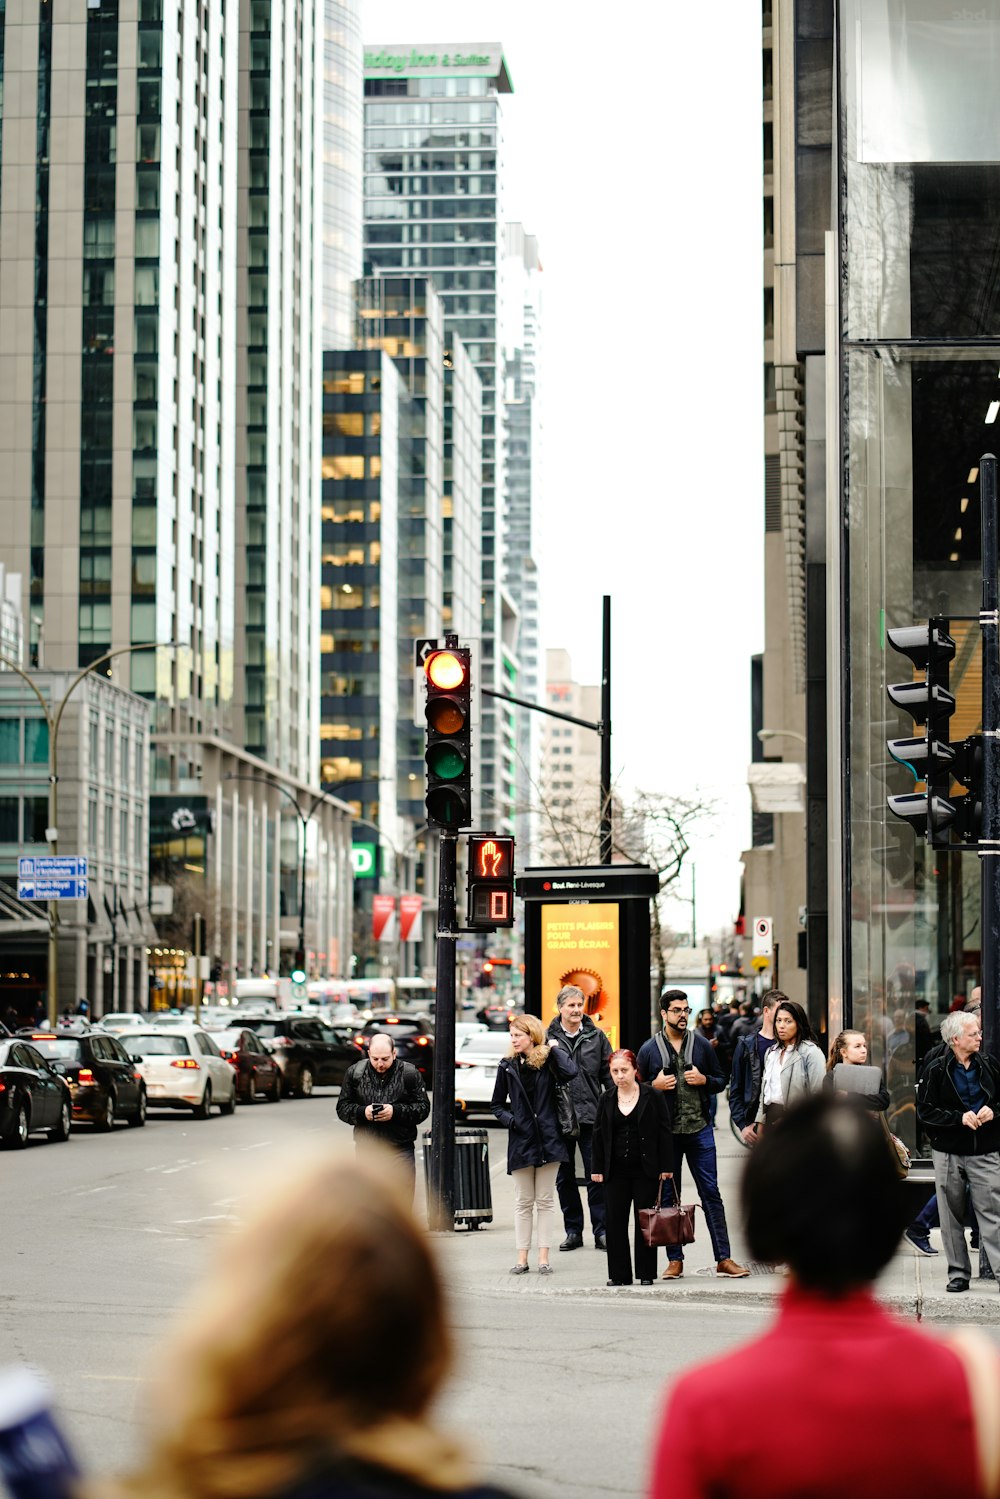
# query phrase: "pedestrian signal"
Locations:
[[490, 882]]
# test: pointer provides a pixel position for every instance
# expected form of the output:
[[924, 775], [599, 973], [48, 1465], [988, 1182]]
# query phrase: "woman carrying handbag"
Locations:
[[632, 1153]]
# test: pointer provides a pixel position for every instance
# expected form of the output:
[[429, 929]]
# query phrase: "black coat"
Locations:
[[401, 1085], [656, 1143], [590, 1050], [940, 1106], [532, 1123]]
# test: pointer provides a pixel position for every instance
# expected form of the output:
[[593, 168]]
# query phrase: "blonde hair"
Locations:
[[320, 1336], [531, 1026]]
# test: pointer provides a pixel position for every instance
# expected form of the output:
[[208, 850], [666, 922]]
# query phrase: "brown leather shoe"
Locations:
[[674, 1269], [731, 1269]]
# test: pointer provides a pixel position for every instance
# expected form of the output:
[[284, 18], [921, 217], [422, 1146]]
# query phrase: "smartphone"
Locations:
[[377, 1109]]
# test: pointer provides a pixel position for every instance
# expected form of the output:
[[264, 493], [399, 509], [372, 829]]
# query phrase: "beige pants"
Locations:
[[534, 1187]]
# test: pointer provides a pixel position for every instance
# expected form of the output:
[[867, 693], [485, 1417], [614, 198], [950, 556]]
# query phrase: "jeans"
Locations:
[[699, 1150], [569, 1192], [404, 1149], [628, 1191]]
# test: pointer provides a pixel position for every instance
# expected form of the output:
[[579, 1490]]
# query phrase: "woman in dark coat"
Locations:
[[524, 1100], [633, 1152]]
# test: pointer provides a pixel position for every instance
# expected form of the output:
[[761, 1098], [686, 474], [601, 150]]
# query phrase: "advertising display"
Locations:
[[579, 945]]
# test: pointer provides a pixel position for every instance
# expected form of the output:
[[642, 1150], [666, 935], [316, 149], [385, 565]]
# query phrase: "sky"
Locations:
[[633, 152]]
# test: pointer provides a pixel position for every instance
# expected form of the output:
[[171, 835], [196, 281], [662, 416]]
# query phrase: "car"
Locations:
[[476, 1063], [309, 1052], [412, 1034], [33, 1097], [183, 1069], [101, 1075], [465, 1028], [122, 1020], [257, 1072], [497, 1017]]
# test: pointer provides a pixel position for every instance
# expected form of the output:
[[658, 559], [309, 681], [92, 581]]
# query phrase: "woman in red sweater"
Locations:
[[824, 1198]]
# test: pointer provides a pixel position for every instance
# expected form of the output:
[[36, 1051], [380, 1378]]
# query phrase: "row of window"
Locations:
[[447, 113], [402, 138], [436, 161]]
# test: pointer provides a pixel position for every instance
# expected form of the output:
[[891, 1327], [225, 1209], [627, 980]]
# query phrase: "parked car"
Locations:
[[33, 1098], [465, 1028], [412, 1034], [257, 1072], [476, 1060], [183, 1069], [309, 1052], [122, 1020], [101, 1075]]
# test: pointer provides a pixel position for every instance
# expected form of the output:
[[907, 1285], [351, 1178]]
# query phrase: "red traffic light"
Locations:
[[445, 670]]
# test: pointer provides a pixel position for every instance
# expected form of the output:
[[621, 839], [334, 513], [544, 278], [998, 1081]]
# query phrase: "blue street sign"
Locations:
[[52, 877]]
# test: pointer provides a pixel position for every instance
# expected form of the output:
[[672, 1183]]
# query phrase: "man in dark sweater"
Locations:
[[384, 1099], [958, 1097]]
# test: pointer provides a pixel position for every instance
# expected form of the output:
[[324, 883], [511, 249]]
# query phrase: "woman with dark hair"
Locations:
[[851, 1049], [792, 1069], [632, 1154], [821, 1193]]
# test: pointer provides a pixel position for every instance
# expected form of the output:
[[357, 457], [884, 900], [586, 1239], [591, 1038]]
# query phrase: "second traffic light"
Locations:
[[491, 882], [448, 712], [942, 818]]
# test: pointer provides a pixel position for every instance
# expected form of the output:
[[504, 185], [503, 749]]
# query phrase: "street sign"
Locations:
[[363, 861], [52, 877], [763, 937]]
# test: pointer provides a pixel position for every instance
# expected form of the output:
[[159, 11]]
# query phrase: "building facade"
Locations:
[[434, 205], [343, 155]]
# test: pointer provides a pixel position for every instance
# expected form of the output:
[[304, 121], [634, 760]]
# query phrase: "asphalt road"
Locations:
[[102, 1239]]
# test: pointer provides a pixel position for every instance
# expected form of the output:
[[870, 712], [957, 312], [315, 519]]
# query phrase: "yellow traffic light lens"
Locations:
[[445, 670], [445, 716]]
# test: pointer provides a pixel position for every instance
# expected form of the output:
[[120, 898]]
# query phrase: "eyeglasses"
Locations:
[[675, 1011]]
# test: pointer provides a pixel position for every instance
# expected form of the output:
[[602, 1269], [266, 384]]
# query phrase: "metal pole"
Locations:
[[606, 734], [302, 899], [777, 969], [441, 1207], [694, 923], [989, 837]]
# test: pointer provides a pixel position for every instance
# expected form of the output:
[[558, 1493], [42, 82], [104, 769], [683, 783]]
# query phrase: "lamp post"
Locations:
[[53, 721], [304, 820]]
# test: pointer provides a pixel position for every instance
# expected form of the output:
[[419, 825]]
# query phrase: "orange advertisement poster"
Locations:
[[579, 945]]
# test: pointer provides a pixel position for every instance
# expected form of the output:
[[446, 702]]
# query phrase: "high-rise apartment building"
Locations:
[[522, 467], [434, 206], [160, 358], [343, 124]]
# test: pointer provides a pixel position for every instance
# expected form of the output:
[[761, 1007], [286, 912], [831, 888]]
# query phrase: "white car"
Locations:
[[122, 1020], [183, 1069], [476, 1062], [465, 1028]]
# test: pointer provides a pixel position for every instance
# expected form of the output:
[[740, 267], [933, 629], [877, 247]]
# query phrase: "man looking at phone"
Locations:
[[682, 1064], [384, 1099]]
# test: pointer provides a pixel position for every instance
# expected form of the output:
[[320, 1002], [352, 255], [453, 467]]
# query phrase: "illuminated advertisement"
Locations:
[[579, 945]]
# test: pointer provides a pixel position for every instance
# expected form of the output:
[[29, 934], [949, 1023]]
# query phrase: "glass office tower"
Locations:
[[433, 204]]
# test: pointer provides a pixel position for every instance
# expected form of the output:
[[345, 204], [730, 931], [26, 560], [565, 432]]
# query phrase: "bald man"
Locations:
[[384, 1099]]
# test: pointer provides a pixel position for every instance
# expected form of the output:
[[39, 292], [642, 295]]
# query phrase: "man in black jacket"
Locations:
[[682, 1065], [958, 1100], [590, 1049], [748, 1068], [384, 1099]]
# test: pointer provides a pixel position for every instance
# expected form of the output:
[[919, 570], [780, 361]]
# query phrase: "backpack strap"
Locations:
[[661, 1047]]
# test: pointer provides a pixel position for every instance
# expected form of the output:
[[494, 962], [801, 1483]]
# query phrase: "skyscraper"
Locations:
[[343, 123], [433, 205]]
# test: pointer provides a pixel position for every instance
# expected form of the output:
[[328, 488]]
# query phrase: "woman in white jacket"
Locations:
[[794, 1067]]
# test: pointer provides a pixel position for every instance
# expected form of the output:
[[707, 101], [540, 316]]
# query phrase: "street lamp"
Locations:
[[765, 734], [304, 820], [53, 722]]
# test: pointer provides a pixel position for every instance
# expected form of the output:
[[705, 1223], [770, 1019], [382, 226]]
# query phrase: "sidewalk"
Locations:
[[481, 1260]]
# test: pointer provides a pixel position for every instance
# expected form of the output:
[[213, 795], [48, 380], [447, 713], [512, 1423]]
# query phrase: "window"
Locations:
[[10, 741], [36, 741], [36, 819], [109, 750], [109, 827], [92, 823], [123, 759], [123, 834], [8, 820]]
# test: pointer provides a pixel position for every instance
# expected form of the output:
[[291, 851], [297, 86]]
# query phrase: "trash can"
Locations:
[[473, 1197]]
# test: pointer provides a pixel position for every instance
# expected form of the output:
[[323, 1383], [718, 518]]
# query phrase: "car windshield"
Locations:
[[268, 1029], [56, 1049], [156, 1046]]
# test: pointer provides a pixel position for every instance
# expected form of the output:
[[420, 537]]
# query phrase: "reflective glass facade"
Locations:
[[343, 124]]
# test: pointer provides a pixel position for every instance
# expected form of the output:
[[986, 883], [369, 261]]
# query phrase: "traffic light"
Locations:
[[448, 711], [490, 882], [942, 818]]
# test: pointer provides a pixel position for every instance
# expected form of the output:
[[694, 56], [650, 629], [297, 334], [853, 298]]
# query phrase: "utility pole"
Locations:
[[606, 731], [441, 1214], [989, 836]]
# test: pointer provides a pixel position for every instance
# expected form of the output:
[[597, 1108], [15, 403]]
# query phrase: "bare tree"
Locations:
[[193, 895]]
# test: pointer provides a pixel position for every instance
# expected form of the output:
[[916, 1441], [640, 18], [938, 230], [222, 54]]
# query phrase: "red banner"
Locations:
[[410, 907], [383, 910]]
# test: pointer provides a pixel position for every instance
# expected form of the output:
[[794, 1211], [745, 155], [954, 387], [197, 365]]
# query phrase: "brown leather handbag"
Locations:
[[671, 1225]]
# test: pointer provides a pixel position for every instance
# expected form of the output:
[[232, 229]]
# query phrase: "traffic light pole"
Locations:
[[441, 1208], [606, 733], [989, 838]]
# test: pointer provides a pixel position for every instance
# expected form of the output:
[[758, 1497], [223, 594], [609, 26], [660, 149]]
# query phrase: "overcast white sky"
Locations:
[[633, 152]]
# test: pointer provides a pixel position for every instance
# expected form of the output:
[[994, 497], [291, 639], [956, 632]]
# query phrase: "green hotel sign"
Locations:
[[410, 61]]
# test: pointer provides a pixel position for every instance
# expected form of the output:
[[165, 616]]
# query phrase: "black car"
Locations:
[[101, 1075], [257, 1072], [33, 1097], [310, 1053], [412, 1035]]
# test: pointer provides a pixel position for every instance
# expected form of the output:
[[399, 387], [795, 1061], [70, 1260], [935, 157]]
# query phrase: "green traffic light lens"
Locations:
[[447, 807], [446, 761], [298, 976]]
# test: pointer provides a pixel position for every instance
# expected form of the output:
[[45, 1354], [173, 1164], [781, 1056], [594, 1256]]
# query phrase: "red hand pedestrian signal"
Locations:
[[491, 860], [491, 882]]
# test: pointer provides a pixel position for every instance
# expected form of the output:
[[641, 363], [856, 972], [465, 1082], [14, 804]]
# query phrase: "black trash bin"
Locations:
[[473, 1197]]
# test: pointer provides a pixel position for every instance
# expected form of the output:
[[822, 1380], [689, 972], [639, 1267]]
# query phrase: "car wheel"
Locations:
[[203, 1109], [18, 1138], [306, 1082], [138, 1119], [275, 1094], [229, 1107], [107, 1118], [61, 1130]]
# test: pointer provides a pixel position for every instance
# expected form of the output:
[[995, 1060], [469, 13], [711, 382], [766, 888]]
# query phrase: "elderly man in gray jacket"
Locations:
[[590, 1049]]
